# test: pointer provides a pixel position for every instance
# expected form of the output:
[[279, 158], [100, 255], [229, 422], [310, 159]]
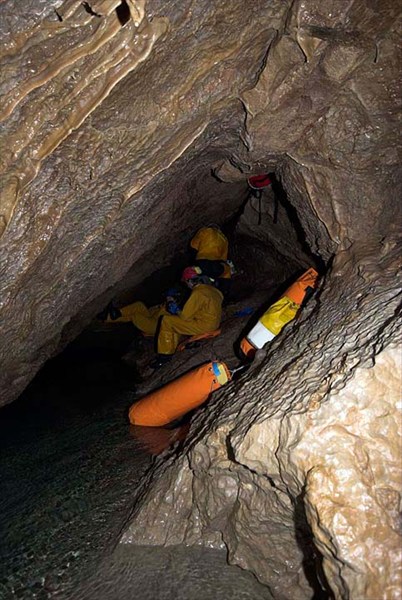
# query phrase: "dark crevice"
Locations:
[[283, 200], [123, 13], [232, 457], [88, 8], [312, 558], [229, 449]]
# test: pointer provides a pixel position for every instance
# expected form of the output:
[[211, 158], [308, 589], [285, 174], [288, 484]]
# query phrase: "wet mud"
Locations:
[[176, 572], [69, 467]]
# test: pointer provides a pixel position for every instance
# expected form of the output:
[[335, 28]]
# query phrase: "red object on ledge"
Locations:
[[258, 182]]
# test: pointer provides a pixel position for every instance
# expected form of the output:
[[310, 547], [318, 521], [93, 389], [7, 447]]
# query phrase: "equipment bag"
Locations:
[[180, 396], [279, 313], [297, 290], [272, 322]]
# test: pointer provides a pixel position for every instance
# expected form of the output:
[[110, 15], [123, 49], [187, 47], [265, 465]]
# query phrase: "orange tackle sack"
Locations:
[[179, 396], [297, 290], [278, 314], [248, 349]]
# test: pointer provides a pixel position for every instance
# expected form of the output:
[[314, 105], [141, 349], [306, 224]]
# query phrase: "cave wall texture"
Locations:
[[95, 119], [106, 130]]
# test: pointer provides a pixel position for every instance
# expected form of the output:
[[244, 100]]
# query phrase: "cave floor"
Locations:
[[69, 465], [173, 573]]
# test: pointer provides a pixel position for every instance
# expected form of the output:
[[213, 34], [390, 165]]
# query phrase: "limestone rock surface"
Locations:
[[104, 137]]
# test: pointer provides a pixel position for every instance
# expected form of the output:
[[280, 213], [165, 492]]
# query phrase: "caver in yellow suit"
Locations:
[[145, 319], [210, 244], [201, 313], [212, 249]]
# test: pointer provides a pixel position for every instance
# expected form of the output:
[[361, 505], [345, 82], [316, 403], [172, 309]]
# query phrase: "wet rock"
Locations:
[[176, 572], [108, 143]]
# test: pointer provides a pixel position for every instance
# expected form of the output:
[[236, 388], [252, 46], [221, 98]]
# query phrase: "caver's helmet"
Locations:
[[193, 276], [191, 273]]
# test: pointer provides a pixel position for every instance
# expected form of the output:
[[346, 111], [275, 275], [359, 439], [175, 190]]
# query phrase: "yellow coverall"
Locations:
[[145, 319], [201, 313], [211, 244]]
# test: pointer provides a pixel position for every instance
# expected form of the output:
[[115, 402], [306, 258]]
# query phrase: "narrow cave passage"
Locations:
[[127, 126], [70, 461]]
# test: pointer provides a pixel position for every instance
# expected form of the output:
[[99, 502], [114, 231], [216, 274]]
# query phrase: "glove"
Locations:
[[172, 307]]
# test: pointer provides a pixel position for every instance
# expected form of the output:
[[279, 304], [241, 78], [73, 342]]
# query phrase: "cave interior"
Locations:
[[126, 126]]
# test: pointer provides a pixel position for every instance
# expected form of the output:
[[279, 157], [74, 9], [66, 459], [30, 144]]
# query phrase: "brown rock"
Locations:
[[83, 149]]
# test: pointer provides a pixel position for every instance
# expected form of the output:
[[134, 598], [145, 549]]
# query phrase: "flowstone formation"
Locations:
[[114, 115]]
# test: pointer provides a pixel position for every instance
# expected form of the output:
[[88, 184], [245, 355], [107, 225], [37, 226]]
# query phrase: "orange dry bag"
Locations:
[[180, 396], [278, 314], [297, 290]]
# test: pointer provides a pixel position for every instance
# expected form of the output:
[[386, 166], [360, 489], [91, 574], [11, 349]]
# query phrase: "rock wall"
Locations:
[[101, 125], [326, 102]]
